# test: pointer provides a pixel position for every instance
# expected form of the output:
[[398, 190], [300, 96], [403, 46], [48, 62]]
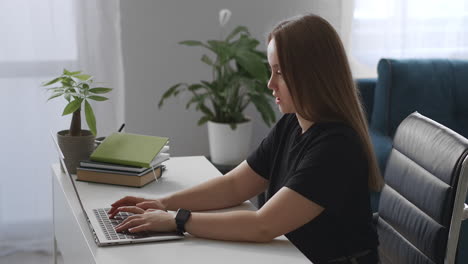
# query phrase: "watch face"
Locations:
[[182, 215]]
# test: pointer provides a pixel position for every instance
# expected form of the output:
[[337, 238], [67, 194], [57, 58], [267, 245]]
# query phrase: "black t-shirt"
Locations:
[[328, 166]]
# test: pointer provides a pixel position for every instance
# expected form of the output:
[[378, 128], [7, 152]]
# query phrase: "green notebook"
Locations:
[[129, 149]]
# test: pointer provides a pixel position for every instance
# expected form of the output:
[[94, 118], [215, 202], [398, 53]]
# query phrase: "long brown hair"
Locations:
[[315, 68]]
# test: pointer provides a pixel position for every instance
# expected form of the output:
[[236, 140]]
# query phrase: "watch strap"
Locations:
[[182, 216]]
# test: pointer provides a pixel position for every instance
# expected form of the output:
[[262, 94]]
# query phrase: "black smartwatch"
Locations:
[[181, 219]]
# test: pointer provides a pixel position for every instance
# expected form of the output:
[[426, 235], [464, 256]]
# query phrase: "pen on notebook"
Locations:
[[121, 127]]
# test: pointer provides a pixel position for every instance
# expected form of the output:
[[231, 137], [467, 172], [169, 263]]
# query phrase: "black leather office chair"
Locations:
[[422, 204]]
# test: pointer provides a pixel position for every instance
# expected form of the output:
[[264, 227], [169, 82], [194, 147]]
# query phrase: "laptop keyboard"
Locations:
[[108, 225]]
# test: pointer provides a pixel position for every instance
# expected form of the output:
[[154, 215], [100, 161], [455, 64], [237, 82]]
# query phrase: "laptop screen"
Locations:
[[62, 162]]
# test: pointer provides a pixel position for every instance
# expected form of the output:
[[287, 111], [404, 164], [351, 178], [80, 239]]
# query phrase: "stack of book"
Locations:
[[126, 159]]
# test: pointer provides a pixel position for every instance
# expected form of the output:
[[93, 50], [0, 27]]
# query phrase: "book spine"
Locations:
[[119, 172], [111, 167], [118, 179], [122, 162]]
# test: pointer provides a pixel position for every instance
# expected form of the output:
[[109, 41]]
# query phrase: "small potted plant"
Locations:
[[240, 75], [77, 144]]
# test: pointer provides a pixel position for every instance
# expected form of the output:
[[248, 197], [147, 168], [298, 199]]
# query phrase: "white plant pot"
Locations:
[[227, 146]]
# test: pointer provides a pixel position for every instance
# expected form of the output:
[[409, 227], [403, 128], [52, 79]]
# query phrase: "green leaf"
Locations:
[[195, 99], [54, 96], [262, 55], [67, 82], [100, 90], [190, 102], [171, 90], [246, 43], [222, 49], [264, 107], [195, 43], [233, 126], [207, 60], [192, 43], [67, 97], [240, 72], [205, 110], [203, 120], [194, 87], [90, 118], [76, 95], [74, 73], [97, 98], [169, 93], [208, 85], [65, 72], [70, 90], [56, 89], [72, 106], [53, 81], [83, 77], [236, 31], [253, 64]]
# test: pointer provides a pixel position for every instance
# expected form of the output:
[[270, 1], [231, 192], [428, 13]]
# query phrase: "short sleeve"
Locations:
[[329, 170], [260, 158]]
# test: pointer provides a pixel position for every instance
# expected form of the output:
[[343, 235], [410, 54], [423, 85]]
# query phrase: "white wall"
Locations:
[[153, 60]]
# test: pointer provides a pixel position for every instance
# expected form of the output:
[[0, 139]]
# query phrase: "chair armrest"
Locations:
[[465, 212], [367, 89], [375, 218]]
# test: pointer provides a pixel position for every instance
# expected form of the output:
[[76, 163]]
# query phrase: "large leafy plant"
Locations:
[[76, 88], [239, 77]]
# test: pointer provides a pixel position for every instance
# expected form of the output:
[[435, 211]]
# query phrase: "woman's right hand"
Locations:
[[134, 205]]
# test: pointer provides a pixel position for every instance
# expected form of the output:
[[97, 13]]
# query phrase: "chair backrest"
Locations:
[[366, 88], [421, 204], [436, 88]]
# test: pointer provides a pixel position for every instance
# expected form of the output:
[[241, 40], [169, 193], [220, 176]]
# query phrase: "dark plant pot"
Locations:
[[75, 149]]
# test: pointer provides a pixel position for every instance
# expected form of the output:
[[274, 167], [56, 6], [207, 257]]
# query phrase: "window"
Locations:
[[38, 40], [409, 29], [37, 37]]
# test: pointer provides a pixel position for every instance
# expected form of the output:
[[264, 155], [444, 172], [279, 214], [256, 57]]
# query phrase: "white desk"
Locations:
[[76, 244]]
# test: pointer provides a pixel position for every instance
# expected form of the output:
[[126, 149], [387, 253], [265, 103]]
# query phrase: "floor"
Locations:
[[29, 258]]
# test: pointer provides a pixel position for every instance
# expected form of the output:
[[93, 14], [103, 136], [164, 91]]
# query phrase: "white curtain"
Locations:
[[39, 39], [408, 29]]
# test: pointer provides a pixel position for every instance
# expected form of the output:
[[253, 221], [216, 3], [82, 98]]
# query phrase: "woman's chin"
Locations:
[[284, 110], [281, 109]]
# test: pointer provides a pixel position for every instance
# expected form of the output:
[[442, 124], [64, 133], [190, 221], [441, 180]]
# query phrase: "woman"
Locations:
[[316, 164]]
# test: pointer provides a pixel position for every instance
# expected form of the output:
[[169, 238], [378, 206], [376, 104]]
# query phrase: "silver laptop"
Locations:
[[102, 227]]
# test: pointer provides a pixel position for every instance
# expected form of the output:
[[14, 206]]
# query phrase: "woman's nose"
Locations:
[[271, 84]]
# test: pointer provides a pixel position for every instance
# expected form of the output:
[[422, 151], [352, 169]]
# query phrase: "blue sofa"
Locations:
[[437, 88]]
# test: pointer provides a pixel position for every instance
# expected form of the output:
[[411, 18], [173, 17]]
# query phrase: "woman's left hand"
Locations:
[[150, 220]]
